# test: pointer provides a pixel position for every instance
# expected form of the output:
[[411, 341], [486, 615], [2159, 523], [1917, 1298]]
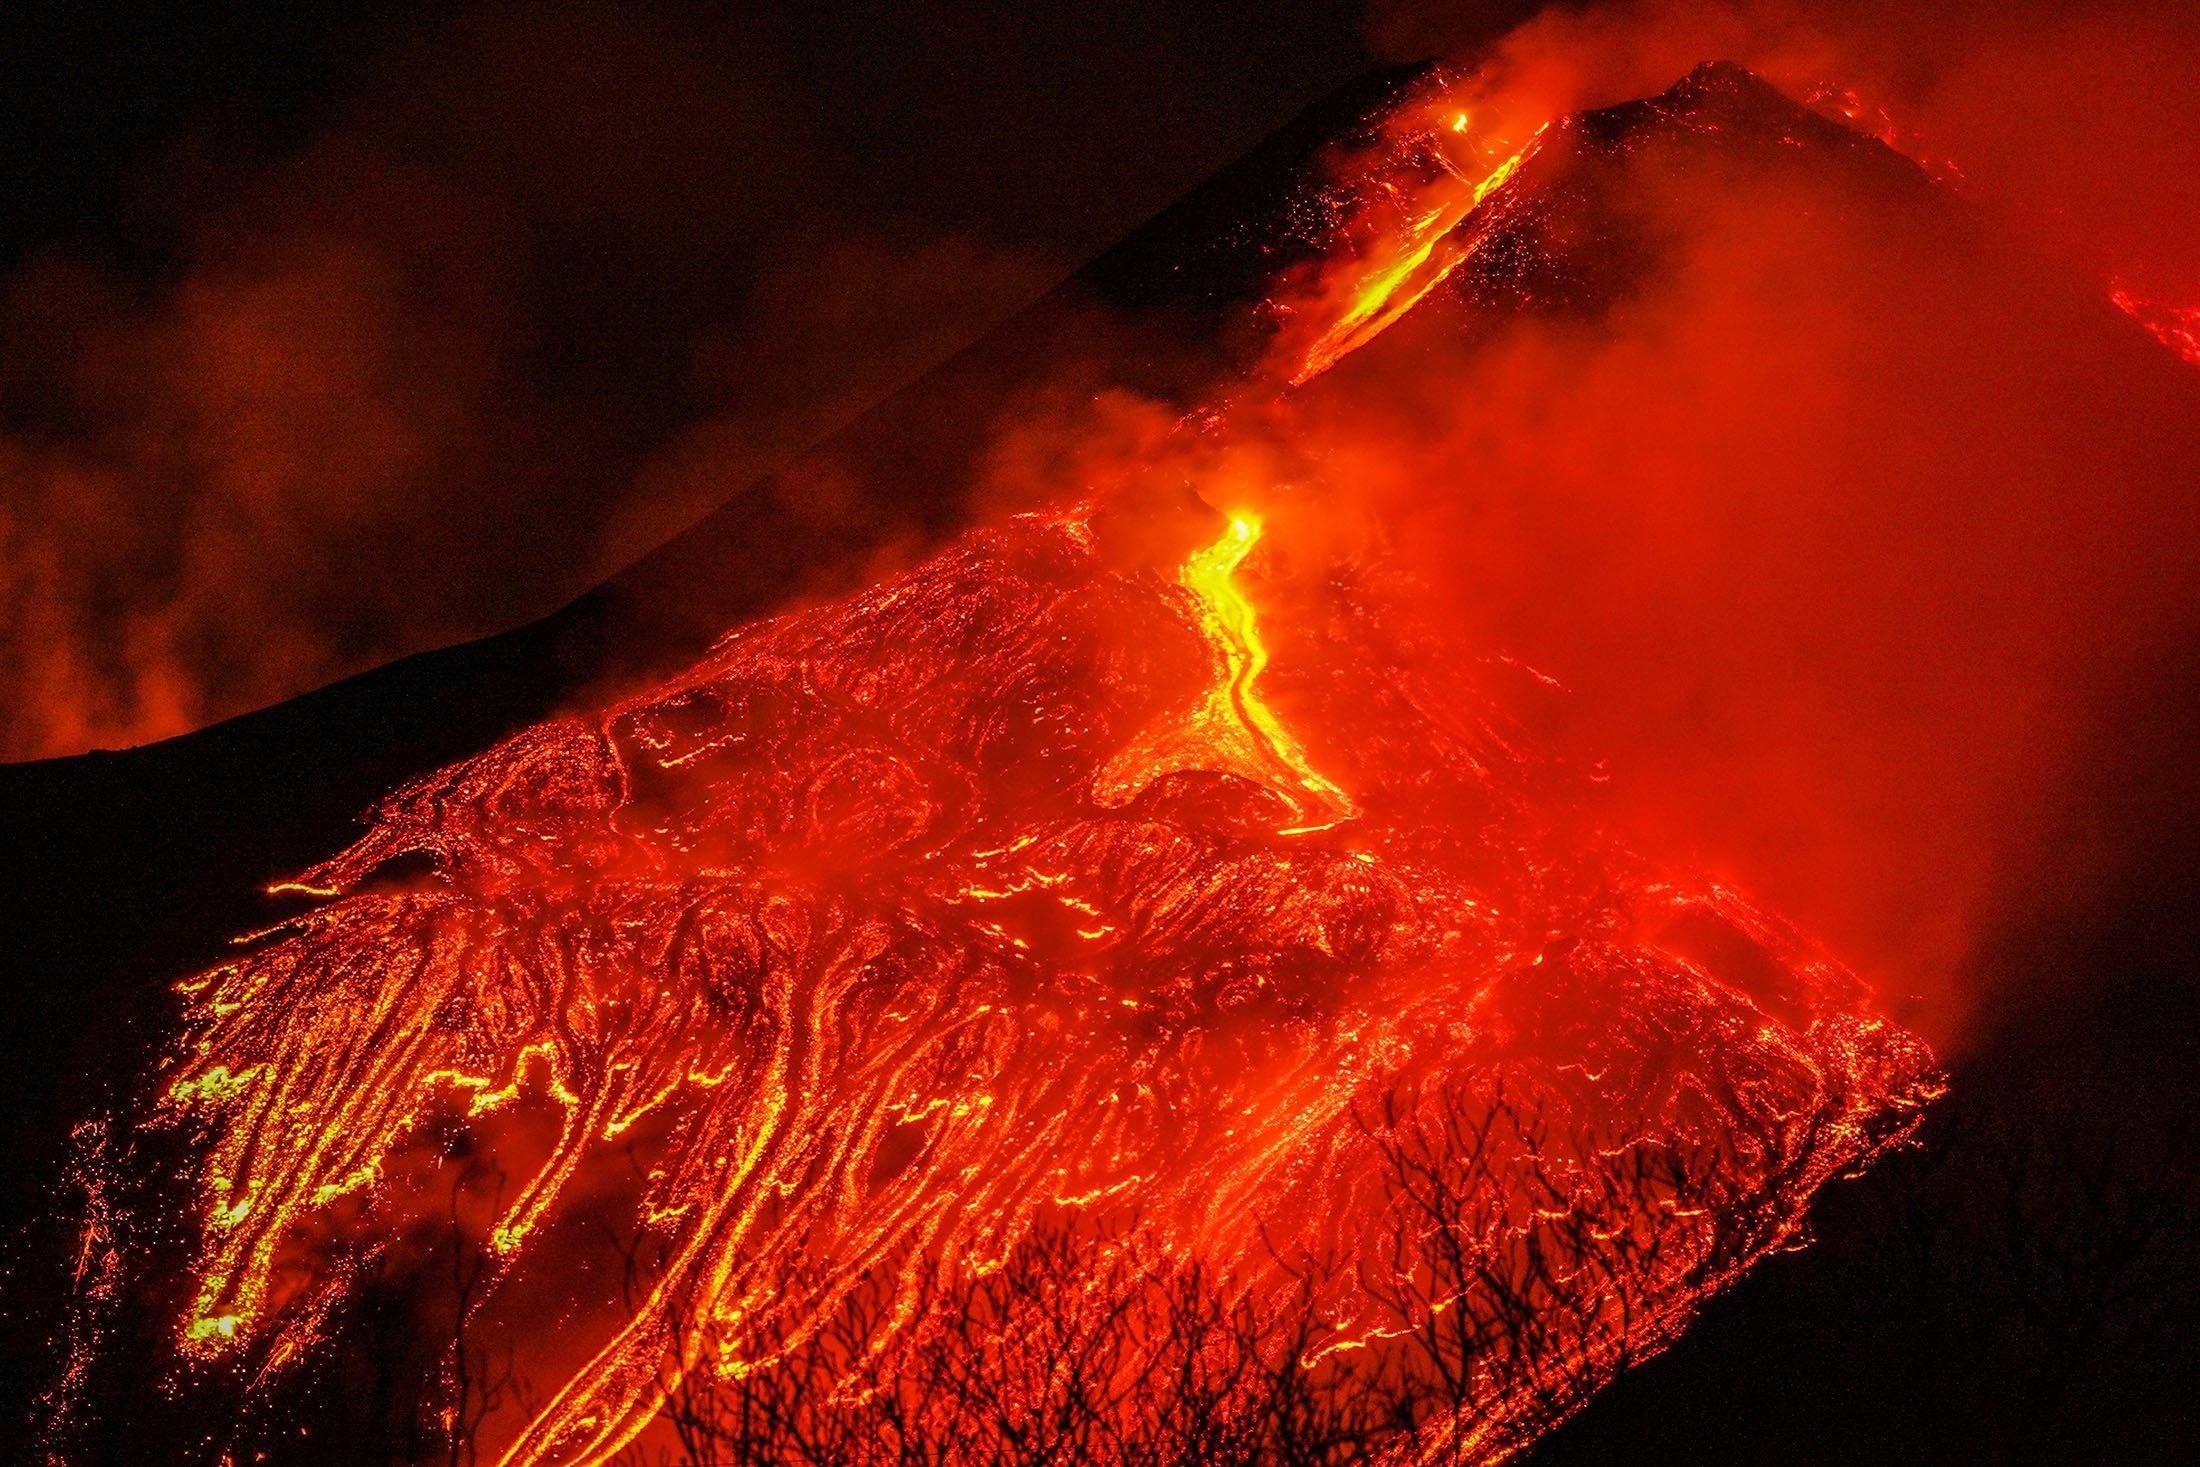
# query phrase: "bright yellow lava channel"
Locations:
[[1429, 253], [1231, 730]]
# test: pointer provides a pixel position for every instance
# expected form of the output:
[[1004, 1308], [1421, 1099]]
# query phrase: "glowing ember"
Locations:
[[2176, 327]]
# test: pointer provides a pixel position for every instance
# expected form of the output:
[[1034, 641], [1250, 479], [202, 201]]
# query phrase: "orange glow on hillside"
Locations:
[[847, 1016], [2176, 327]]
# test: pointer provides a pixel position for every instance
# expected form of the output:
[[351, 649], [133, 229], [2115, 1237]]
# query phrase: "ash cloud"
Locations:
[[1857, 532]]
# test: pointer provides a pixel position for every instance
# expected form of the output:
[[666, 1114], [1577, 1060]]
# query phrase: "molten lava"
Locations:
[[1231, 730], [1426, 252], [1024, 892], [898, 925], [1401, 220]]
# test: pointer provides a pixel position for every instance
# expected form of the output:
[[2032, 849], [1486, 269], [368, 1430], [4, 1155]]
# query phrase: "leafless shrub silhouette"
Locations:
[[1521, 1272]]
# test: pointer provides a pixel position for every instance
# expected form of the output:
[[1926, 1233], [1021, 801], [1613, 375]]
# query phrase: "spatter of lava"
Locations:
[[915, 917], [2176, 327]]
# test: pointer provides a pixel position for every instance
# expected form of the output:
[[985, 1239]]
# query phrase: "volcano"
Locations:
[[1129, 965]]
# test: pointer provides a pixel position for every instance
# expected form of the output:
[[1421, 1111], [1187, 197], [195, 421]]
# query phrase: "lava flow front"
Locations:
[[1123, 887]]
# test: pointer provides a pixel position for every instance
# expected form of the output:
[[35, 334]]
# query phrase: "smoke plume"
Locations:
[[542, 290], [1854, 528]]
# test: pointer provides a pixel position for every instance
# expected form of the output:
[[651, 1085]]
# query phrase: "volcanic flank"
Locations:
[[895, 934], [1137, 898]]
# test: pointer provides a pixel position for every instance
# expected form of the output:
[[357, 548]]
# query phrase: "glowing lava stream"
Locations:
[[1232, 731], [838, 909], [1427, 255], [2176, 327]]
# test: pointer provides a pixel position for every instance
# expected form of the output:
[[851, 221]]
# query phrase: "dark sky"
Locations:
[[1056, 124], [329, 333]]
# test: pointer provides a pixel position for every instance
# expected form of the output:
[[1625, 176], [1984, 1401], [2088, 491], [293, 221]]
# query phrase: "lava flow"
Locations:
[[912, 918], [1185, 903], [1230, 731]]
